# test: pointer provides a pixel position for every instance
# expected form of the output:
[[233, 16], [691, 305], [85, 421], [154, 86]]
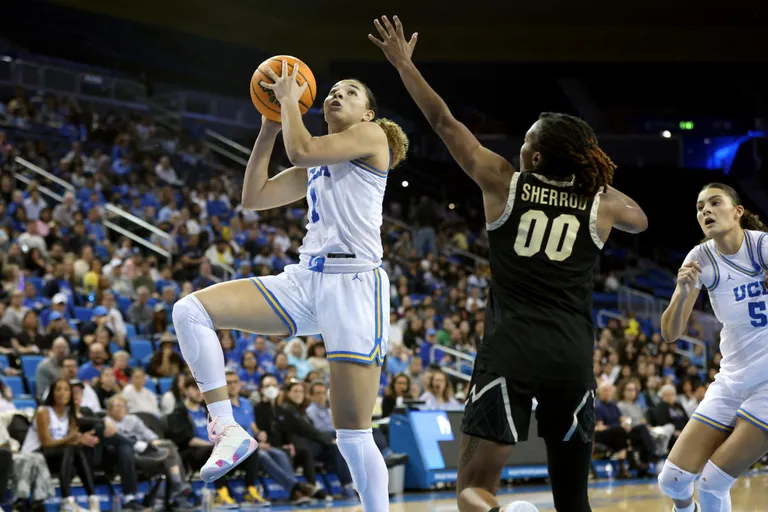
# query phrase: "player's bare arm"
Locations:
[[261, 192], [489, 170]]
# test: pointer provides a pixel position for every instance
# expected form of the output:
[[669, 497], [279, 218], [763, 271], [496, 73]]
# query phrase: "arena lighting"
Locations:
[[404, 184], [686, 125], [451, 206], [666, 134]]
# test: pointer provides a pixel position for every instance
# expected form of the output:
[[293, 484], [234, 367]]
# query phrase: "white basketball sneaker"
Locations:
[[232, 445], [521, 506]]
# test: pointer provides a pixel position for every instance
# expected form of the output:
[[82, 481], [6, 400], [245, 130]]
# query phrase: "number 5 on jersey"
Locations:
[[533, 226]]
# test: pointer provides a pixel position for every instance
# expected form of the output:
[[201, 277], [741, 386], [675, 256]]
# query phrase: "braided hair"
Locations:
[[569, 147]]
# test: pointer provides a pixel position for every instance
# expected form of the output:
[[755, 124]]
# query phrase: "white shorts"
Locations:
[[723, 403], [350, 311]]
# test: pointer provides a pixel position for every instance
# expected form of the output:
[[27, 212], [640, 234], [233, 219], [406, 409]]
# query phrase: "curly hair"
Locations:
[[569, 147], [396, 137]]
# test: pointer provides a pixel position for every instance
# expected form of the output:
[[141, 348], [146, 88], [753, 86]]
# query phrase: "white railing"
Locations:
[[111, 209], [602, 315], [458, 355]]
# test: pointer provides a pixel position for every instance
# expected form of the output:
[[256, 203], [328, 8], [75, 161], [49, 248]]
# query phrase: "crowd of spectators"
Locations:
[[85, 315]]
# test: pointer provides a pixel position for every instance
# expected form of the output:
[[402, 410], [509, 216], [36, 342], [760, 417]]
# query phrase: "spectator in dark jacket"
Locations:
[[668, 411]]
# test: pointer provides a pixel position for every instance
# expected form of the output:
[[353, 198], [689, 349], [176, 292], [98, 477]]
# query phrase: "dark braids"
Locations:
[[569, 148]]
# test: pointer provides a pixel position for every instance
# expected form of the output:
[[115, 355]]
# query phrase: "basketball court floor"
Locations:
[[750, 494]]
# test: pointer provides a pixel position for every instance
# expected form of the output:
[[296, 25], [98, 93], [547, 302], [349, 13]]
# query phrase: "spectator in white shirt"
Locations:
[[138, 397], [115, 320], [166, 172], [34, 204], [32, 238]]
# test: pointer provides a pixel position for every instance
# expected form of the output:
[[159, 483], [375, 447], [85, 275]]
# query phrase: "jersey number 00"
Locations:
[[533, 226]]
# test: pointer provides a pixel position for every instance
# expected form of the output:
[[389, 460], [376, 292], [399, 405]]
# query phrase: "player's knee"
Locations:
[[715, 482], [189, 309], [676, 483]]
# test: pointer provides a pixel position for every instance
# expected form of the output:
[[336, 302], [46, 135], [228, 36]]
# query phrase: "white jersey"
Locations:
[[344, 218], [739, 297]]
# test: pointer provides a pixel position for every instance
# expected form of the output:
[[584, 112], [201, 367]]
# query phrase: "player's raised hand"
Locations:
[[286, 86], [688, 276], [397, 50]]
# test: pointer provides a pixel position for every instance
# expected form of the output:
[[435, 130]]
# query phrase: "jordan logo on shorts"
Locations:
[[357, 277]]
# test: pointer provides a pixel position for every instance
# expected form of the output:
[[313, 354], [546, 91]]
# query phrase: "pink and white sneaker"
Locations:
[[232, 445]]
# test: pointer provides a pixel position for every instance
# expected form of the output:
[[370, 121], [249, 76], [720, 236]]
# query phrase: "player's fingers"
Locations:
[[272, 74], [390, 29], [285, 68], [375, 41], [382, 31], [295, 70], [266, 85], [398, 26], [414, 40]]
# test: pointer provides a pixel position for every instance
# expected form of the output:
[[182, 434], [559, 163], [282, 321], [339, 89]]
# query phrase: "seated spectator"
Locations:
[[250, 373], [399, 389], [115, 322], [139, 397], [140, 313], [166, 362], [687, 397], [611, 429], [32, 479], [15, 312], [173, 396], [120, 361], [91, 369], [668, 411], [303, 433], [49, 369], [131, 427], [439, 393], [188, 429], [642, 452], [106, 387], [54, 433], [57, 328], [275, 462]]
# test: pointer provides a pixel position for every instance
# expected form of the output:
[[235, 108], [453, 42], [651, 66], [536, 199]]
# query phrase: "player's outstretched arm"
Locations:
[[626, 214], [488, 169], [259, 191]]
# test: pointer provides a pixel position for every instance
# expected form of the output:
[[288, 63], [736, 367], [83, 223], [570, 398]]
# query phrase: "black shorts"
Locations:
[[499, 409]]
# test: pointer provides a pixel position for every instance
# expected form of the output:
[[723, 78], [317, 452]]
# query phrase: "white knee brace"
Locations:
[[676, 483], [715, 489], [186, 312]]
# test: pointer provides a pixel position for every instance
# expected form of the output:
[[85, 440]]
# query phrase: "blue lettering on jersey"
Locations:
[[751, 290], [314, 173]]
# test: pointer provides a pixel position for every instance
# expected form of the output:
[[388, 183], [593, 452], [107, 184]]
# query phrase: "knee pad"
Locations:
[[353, 451], [676, 483], [187, 312], [714, 487]]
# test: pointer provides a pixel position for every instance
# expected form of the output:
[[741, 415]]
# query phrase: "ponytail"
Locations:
[[752, 222], [396, 138]]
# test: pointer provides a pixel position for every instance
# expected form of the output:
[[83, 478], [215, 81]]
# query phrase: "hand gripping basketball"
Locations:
[[286, 86]]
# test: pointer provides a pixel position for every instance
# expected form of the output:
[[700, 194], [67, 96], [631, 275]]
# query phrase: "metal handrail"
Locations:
[[693, 341], [455, 373], [45, 190], [229, 142], [45, 174], [139, 240], [452, 352], [136, 220]]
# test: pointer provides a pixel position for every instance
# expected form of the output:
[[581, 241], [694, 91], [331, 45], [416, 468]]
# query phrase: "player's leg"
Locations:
[[708, 428], [353, 314], [566, 419], [747, 443], [497, 415], [252, 305]]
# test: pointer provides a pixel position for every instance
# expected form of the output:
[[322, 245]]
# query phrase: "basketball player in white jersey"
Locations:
[[338, 289], [729, 430]]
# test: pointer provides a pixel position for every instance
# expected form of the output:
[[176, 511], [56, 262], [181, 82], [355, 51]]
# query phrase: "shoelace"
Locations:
[[213, 436]]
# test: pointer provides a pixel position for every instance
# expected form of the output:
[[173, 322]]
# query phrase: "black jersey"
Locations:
[[543, 252]]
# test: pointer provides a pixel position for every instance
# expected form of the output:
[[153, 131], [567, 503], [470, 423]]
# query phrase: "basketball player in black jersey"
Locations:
[[546, 226]]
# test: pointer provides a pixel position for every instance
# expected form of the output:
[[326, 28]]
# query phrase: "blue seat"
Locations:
[[4, 361], [114, 347], [124, 303], [29, 365], [164, 384], [38, 282], [83, 314], [32, 386], [130, 331], [16, 385], [140, 349], [24, 403]]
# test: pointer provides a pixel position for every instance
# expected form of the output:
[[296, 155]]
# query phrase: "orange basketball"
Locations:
[[264, 99]]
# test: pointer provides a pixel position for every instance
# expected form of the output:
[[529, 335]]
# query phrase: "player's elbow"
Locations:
[[299, 154], [634, 223]]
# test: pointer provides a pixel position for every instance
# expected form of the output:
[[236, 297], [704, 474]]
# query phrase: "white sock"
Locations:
[[367, 467], [199, 344], [222, 411]]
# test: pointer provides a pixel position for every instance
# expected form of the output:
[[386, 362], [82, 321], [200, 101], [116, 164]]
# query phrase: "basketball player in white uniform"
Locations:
[[729, 430], [338, 289]]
